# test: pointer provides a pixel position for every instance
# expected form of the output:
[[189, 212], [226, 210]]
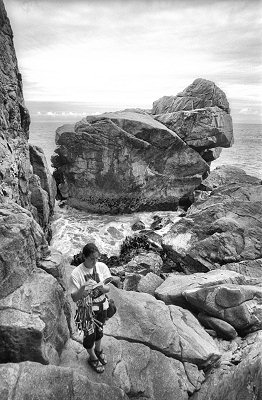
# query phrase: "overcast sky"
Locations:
[[130, 53]]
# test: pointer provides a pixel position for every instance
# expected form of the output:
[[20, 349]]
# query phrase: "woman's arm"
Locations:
[[79, 293]]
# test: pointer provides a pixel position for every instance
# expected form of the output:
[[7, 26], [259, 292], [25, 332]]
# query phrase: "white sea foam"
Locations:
[[72, 229]]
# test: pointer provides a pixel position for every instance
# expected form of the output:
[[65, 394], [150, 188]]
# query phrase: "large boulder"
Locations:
[[33, 325], [110, 164], [239, 305], [226, 227], [171, 330], [31, 380]]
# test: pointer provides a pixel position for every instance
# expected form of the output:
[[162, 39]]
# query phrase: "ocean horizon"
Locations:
[[46, 117]]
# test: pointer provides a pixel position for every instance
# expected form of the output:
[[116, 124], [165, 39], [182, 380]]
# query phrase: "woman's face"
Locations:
[[91, 260]]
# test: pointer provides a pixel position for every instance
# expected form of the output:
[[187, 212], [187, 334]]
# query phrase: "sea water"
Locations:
[[72, 228]]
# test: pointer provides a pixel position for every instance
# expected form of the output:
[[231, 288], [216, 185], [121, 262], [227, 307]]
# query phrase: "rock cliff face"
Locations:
[[19, 176]]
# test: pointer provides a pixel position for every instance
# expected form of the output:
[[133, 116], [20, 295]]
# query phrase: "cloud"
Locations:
[[133, 52]]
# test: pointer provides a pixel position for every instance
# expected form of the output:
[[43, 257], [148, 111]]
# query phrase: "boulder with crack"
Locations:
[[171, 330], [141, 372], [123, 162]]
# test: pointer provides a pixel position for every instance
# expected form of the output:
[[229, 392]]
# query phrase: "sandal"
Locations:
[[96, 365], [101, 356]]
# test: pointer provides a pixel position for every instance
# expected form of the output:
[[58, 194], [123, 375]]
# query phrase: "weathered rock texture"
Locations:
[[17, 181], [226, 227], [200, 115], [14, 122], [200, 94], [131, 160], [122, 162], [171, 330], [30, 380], [22, 245], [239, 305], [172, 289], [32, 322], [240, 374]]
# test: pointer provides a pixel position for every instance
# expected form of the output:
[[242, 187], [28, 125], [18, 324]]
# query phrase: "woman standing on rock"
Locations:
[[88, 285]]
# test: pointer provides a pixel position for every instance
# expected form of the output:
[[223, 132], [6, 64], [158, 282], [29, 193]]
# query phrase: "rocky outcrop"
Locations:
[[111, 164], [200, 94], [225, 227], [200, 116], [169, 329], [14, 122]]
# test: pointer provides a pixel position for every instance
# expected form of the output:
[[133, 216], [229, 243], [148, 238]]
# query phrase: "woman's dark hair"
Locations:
[[90, 248]]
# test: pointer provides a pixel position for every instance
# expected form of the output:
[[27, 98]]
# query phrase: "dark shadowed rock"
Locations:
[[138, 225], [111, 164], [222, 328]]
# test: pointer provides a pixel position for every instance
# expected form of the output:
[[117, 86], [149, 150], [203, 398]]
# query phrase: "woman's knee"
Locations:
[[89, 341]]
